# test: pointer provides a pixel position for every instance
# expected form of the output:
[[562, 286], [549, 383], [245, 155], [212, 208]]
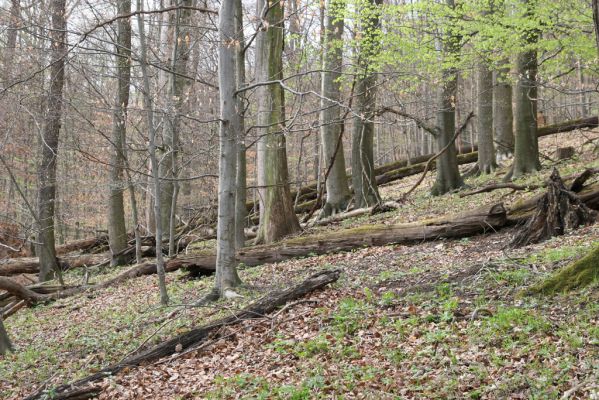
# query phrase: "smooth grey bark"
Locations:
[[366, 192], [149, 109], [448, 174], [486, 149], [226, 264], [526, 149], [241, 174], [49, 144], [503, 118], [338, 194], [277, 217], [117, 229], [5, 344], [176, 93]]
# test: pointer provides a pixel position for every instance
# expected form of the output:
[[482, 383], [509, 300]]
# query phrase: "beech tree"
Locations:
[[117, 229], [338, 194], [49, 144], [226, 264], [277, 217], [363, 178], [503, 130]]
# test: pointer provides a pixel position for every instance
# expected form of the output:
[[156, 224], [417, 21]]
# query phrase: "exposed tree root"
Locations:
[[558, 211]]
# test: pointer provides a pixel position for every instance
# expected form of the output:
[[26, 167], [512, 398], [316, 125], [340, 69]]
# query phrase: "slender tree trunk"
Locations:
[[366, 191], [226, 264], [486, 149], [338, 194], [177, 85], [277, 218], [241, 177], [526, 153], [11, 40], [117, 229], [153, 159], [5, 344], [502, 115], [596, 21], [49, 144], [448, 174]]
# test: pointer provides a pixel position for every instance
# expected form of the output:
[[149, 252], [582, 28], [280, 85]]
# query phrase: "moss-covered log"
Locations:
[[576, 275]]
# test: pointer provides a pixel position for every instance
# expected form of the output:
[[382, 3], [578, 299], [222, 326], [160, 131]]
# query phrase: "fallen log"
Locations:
[[196, 336], [497, 186], [566, 126], [484, 219], [82, 245]]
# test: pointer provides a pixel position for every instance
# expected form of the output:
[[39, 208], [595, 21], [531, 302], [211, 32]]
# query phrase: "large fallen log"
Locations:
[[82, 245], [196, 336]]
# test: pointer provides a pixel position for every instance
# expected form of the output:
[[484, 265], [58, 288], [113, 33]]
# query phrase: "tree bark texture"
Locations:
[[484, 118], [226, 265], [49, 143], [117, 229], [366, 192], [337, 187], [5, 344], [503, 118], [277, 218]]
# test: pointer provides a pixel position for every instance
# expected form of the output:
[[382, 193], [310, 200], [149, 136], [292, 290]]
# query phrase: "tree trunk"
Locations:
[[176, 98], [366, 192], [226, 265], [5, 344], [526, 151], [596, 21], [241, 175], [484, 118], [448, 174], [117, 229], [11, 41], [277, 218], [338, 194], [503, 118], [49, 144], [148, 105]]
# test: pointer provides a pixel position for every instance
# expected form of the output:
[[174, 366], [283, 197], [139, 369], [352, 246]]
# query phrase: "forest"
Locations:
[[361, 199]]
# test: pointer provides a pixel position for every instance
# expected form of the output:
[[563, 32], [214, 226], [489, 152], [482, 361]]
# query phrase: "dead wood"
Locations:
[[496, 186], [557, 212], [580, 180], [197, 336], [86, 245]]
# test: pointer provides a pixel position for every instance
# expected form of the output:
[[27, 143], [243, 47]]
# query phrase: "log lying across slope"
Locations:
[[403, 168], [197, 335]]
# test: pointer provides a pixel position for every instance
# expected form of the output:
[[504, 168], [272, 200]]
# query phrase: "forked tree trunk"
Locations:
[[448, 174], [277, 218], [49, 144], [366, 192], [117, 229], [149, 109], [338, 194], [503, 118], [176, 98], [226, 264]]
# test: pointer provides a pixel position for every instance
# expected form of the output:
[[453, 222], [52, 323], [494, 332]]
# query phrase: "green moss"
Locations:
[[576, 275]]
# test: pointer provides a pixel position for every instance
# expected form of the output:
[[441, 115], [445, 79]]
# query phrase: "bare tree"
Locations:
[[49, 144], [277, 217], [338, 194], [117, 229], [226, 264], [149, 109]]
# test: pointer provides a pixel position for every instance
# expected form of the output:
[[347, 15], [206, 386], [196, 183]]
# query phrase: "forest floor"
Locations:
[[439, 319]]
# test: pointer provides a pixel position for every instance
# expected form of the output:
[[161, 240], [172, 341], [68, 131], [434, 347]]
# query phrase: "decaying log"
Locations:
[[82, 245], [496, 186], [481, 220], [387, 206], [198, 335], [566, 126], [557, 212]]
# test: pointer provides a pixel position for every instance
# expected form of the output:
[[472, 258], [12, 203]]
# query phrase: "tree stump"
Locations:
[[563, 153], [557, 212]]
